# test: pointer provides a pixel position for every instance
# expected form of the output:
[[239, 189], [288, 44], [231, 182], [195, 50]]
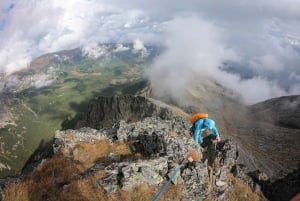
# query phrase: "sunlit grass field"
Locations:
[[43, 111]]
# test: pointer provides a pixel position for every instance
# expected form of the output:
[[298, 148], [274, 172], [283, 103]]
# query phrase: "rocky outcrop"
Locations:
[[105, 111], [165, 135], [164, 144]]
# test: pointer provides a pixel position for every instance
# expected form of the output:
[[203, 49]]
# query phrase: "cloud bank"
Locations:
[[252, 47], [198, 48], [33, 28]]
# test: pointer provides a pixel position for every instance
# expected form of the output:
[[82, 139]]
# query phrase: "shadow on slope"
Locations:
[[43, 151], [82, 109], [283, 189]]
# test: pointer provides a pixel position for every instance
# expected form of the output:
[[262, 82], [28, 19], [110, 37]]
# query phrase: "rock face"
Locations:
[[105, 111], [163, 132], [160, 135], [164, 145]]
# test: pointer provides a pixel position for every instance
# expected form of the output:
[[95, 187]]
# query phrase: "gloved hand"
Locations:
[[218, 139]]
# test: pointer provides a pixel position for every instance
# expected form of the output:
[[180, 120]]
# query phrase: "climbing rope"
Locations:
[[164, 187]]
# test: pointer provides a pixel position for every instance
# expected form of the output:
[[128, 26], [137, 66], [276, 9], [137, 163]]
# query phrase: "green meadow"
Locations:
[[43, 111]]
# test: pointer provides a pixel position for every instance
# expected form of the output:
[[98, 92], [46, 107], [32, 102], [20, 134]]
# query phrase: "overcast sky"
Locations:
[[260, 39]]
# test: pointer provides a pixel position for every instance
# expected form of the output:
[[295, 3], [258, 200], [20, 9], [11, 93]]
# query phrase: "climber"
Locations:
[[200, 123]]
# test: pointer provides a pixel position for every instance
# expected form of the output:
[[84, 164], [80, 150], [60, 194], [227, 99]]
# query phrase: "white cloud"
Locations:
[[191, 54], [294, 76], [252, 90], [258, 35], [15, 55], [120, 48], [42, 81], [267, 62], [38, 27], [95, 50], [295, 89], [198, 47], [138, 47]]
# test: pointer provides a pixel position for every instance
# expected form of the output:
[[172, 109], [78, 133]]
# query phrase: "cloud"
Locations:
[[14, 57], [252, 90], [95, 51], [261, 37], [42, 81], [120, 48], [34, 28], [197, 47], [294, 76], [194, 50], [138, 47]]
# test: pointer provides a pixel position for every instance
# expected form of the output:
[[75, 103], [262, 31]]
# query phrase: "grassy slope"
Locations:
[[60, 178], [44, 110]]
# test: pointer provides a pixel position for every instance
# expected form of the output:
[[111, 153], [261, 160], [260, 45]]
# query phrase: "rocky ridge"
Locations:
[[105, 111], [163, 143], [162, 135], [156, 107], [160, 140]]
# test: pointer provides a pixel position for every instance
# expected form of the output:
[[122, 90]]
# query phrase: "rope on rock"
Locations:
[[164, 187]]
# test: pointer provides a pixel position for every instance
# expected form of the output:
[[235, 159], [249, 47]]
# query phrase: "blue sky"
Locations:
[[2, 23], [200, 35], [4, 13]]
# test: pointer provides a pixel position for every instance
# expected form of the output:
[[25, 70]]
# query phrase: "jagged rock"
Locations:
[[114, 157], [196, 182], [160, 137], [179, 147], [153, 144], [164, 144], [130, 131], [173, 172], [259, 129], [129, 175], [239, 170], [145, 171], [111, 181], [105, 111], [66, 141], [229, 153]]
